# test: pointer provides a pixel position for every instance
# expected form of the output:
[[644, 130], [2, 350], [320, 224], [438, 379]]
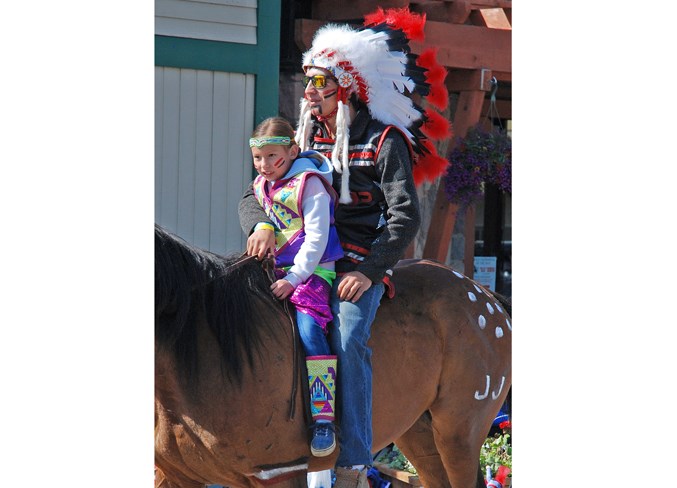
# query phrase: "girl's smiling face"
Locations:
[[273, 161]]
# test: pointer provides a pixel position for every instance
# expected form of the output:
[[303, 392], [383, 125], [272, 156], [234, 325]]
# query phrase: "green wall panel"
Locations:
[[262, 59]]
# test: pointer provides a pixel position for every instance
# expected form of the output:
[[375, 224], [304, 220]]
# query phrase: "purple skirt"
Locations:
[[312, 298]]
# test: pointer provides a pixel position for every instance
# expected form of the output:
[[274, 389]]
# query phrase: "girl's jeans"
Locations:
[[348, 336], [312, 336]]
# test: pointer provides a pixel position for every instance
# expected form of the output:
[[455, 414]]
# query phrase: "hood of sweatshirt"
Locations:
[[311, 161]]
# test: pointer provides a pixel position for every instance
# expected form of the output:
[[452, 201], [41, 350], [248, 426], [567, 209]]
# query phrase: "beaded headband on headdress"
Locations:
[[375, 64], [269, 140]]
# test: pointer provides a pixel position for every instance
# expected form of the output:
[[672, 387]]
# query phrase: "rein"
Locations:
[[268, 264], [242, 260], [269, 267]]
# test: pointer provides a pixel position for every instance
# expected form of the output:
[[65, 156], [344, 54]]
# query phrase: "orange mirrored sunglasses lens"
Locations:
[[319, 81]]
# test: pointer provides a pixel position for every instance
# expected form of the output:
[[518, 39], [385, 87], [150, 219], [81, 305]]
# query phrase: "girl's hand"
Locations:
[[282, 289], [261, 243], [352, 286]]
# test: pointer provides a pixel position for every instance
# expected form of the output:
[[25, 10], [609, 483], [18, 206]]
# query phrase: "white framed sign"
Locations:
[[484, 271]]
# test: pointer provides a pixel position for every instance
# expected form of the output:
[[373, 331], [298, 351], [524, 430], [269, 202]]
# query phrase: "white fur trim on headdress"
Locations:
[[304, 127], [339, 155]]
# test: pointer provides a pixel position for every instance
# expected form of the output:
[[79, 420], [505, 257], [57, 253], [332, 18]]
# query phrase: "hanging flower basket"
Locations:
[[480, 157]]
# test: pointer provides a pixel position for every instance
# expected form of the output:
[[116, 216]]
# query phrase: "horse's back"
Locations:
[[442, 340], [426, 289], [471, 321]]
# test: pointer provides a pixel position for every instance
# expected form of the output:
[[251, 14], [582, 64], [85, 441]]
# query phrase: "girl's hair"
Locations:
[[275, 126]]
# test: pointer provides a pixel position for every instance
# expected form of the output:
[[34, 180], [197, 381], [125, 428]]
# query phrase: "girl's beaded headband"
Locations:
[[269, 140]]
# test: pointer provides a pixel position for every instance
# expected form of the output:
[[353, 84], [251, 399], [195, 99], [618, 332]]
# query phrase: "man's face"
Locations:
[[323, 100]]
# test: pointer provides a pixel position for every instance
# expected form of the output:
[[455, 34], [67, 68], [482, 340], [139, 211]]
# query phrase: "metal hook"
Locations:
[[494, 88], [493, 111]]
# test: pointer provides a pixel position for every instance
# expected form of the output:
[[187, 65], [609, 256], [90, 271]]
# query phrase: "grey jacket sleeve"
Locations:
[[403, 214], [250, 212]]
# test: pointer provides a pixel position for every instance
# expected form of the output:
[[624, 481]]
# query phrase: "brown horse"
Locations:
[[224, 373]]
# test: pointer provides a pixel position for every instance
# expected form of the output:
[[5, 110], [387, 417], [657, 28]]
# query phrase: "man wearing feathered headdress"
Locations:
[[358, 111]]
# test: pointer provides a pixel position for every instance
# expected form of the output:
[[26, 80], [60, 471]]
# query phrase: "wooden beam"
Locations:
[[456, 12], [474, 4], [494, 18], [459, 80], [488, 14], [459, 46], [441, 228], [468, 46], [502, 75], [492, 4], [351, 10], [468, 112]]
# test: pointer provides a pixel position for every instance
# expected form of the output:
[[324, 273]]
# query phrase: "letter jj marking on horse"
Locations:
[[486, 391], [495, 395]]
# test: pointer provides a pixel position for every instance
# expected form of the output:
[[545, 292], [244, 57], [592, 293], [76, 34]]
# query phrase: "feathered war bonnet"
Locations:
[[375, 64]]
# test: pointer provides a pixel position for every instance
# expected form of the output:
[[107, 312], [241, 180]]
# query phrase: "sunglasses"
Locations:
[[319, 81]]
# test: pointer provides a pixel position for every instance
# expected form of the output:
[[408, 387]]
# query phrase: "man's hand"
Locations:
[[261, 243], [282, 289], [352, 286]]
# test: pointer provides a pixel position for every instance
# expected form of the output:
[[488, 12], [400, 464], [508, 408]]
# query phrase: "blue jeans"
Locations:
[[312, 336], [348, 336]]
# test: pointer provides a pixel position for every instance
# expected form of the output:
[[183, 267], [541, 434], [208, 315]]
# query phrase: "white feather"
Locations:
[[304, 126], [341, 147], [382, 70]]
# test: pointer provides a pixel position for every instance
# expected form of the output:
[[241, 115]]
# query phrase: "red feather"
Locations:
[[376, 17], [436, 126], [418, 177], [435, 75], [429, 167], [436, 72], [399, 18], [427, 146], [438, 97]]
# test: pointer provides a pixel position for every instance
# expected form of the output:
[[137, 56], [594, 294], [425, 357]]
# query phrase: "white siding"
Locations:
[[216, 20], [203, 120]]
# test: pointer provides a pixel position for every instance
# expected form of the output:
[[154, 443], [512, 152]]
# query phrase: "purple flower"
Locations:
[[481, 157]]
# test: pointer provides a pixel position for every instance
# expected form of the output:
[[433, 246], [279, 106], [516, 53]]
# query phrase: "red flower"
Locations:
[[505, 424]]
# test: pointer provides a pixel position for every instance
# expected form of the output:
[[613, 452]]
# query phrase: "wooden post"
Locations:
[[443, 218], [469, 233]]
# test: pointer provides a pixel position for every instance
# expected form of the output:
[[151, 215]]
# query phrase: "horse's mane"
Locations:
[[191, 283]]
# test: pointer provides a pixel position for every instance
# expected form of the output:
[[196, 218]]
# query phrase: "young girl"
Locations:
[[295, 192]]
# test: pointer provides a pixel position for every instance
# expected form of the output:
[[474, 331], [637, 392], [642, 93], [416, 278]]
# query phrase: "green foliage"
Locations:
[[394, 458], [496, 451]]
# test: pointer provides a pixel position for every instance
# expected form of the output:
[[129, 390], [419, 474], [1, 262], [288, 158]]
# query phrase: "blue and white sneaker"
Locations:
[[324, 439]]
